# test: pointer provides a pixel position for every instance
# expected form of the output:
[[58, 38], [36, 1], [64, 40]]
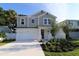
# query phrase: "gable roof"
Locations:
[[42, 12], [22, 15]]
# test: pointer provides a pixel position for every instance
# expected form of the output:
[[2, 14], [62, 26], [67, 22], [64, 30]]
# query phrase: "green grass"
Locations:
[[75, 42], [75, 52], [6, 42], [2, 43]]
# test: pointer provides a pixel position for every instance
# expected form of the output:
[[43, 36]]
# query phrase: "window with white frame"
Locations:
[[78, 23], [71, 23], [33, 21], [47, 21], [22, 21]]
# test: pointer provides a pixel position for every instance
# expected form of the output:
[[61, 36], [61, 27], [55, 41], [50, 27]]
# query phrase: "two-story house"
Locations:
[[34, 27], [73, 26]]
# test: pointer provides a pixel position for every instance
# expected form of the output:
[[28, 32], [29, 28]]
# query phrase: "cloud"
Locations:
[[58, 9]]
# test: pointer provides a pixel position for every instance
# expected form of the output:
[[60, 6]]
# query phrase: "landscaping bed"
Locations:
[[61, 48], [75, 42], [75, 52]]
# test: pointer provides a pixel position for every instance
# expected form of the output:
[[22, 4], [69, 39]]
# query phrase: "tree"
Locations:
[[1, 11], [7, 17], [2, 19], [54, 28], [66, 30], [10, 16]]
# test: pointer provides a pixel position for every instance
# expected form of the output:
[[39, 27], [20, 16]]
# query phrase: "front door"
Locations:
[[42, 33]]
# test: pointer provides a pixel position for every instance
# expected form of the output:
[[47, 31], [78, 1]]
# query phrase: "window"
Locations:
[[71, 23], [49, 21], [22, 21], [46, 21], [32, 20], [78, 23]]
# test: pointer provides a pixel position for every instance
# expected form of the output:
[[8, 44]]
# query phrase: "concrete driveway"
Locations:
[[21, 49]]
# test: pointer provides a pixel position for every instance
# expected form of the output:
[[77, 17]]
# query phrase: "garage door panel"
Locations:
[[28, 35]]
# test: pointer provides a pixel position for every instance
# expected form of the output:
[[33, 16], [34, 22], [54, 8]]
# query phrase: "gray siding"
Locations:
[[41, 20], [35, 24], [19, 21], [38, 21], [74, 35], [73, 24]]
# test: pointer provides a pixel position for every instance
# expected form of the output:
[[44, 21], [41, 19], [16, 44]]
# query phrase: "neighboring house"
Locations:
[[73, 26], [34, 27]]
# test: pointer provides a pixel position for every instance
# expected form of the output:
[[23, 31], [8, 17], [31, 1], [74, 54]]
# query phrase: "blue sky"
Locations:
[[61, 10]]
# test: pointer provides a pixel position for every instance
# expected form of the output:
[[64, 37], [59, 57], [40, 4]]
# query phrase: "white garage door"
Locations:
[[27, 34]]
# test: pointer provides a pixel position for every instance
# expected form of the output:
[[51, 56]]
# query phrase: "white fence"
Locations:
[[11, 35]]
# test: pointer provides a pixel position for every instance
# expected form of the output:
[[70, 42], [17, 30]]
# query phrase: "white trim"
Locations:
[[38, 21], [33, 19], [21, 21], [47, 21], [28, 18]]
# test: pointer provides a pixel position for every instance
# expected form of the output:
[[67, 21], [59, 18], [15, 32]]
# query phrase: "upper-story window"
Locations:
[[33, 21], [47, 21], [22, 21], [78, 23], [71, 23]]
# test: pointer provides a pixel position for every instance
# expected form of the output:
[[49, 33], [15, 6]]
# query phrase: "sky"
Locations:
[[62, 11]]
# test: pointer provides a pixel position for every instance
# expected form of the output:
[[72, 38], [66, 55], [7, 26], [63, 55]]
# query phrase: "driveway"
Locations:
[[21, 49]]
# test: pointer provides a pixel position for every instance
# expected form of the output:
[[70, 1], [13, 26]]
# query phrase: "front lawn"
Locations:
[[75, 52], [6, 42], [75, 42], [2, 43]]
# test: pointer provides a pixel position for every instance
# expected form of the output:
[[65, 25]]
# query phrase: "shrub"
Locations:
[[10, 40], [71, 48], [65, 49], [41, 41], [2, 35], [44, 47], [58, 46]]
